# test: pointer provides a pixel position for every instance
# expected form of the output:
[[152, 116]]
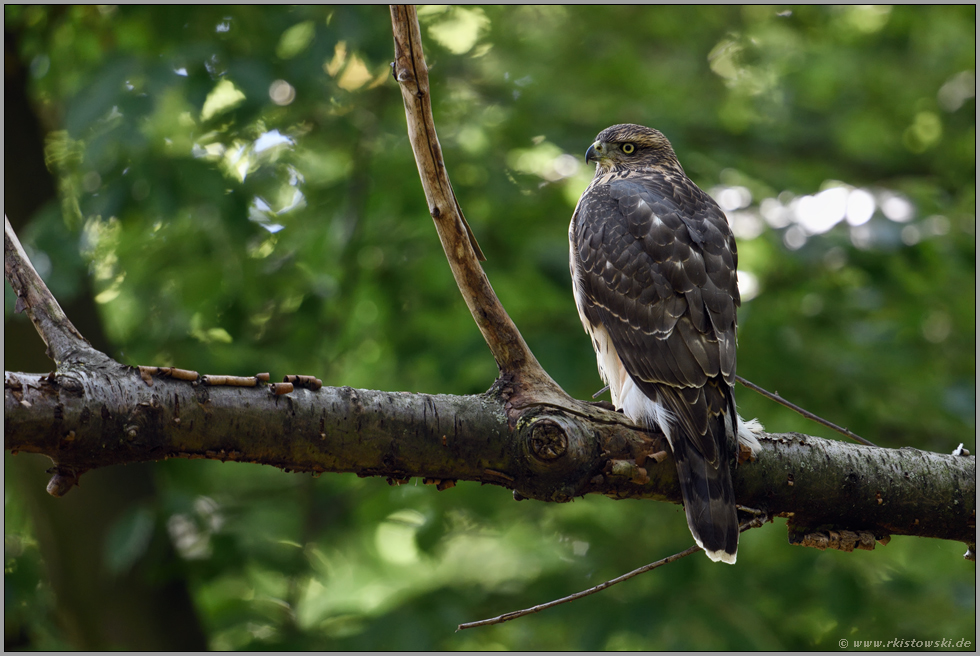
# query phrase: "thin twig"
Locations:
[[506, 617], [755, 522], [806, 413]]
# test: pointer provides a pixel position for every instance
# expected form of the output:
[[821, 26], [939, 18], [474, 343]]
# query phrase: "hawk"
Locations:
[[653, 265]]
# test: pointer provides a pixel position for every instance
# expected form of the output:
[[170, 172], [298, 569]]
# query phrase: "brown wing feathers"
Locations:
[[650, 286]]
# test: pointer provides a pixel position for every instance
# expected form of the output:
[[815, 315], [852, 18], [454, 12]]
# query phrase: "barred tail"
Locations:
[[709, 501]]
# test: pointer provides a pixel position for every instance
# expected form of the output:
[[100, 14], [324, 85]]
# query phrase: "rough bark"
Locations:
[[85, 420]]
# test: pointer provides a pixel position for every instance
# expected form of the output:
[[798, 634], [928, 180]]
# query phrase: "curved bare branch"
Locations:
[[505, 341], [65, 344]]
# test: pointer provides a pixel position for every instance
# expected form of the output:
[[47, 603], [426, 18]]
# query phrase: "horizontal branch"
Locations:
[[84, 420]]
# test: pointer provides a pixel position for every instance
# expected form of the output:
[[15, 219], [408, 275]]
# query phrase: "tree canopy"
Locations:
[[231, 189]]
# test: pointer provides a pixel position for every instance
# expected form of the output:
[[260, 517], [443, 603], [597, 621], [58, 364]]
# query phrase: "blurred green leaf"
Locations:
[[128, 539]]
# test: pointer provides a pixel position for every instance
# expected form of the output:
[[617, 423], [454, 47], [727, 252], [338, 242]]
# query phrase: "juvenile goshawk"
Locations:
[[653, 264]]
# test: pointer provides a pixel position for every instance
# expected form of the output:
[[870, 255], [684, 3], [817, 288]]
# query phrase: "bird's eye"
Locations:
[[628, 148]]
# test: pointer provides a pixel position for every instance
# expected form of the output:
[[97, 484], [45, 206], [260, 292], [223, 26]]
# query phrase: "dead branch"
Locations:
[[803, 412], [755, 522], [513, 615]]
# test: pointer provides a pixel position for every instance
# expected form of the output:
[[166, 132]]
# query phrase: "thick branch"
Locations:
[[86, 420], [89, 420]]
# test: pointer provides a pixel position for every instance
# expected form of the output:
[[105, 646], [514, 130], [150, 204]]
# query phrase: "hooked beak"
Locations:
[[592, 154]]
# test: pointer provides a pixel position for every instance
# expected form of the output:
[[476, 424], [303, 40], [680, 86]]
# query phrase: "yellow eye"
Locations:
[[628, 148]]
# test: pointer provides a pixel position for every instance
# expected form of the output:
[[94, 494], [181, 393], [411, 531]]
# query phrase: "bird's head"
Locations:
[[630, 146]]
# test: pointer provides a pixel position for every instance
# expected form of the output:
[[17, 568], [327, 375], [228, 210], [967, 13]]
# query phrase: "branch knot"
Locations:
[[548, 440]]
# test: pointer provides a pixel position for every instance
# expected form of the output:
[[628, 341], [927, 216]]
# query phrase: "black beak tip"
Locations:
[[590, 155]]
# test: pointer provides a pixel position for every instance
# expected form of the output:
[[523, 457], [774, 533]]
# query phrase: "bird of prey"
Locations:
[[653, 265]]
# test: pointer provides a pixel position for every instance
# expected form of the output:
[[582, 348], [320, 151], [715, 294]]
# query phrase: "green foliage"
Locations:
[[238, 184]]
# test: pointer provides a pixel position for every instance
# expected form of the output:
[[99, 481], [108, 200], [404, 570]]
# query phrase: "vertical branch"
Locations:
[[506, 343]]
